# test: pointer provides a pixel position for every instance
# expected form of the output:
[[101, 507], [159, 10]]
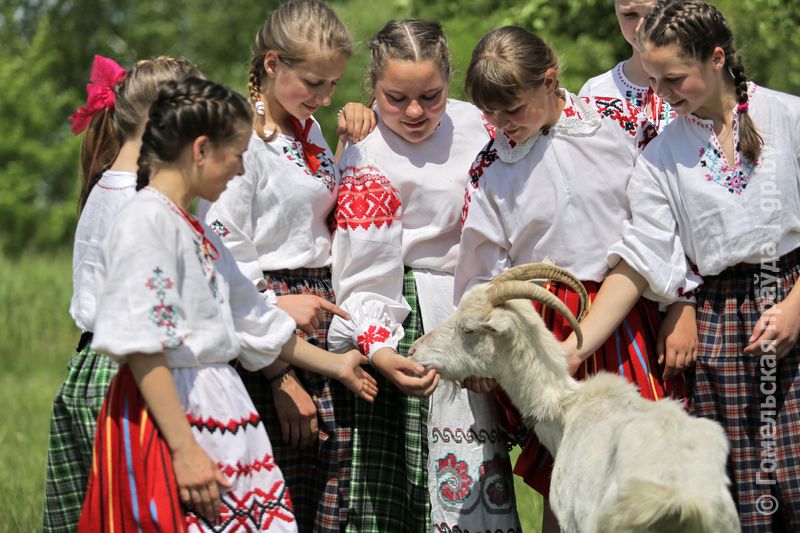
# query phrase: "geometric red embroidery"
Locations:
[[256, 510], [484, 160], [616, 109], [371, 336], [267, 463], [465, 207], [366, 198], [232, 426]]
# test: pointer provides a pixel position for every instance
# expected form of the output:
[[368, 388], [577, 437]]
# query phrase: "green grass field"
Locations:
[[37, 338]]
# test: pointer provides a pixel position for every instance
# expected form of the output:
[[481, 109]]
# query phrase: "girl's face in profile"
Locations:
[[689, 85], [300, 89], [411, 98], [221, 163]]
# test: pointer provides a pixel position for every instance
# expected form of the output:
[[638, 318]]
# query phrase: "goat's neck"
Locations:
[[537, 379]]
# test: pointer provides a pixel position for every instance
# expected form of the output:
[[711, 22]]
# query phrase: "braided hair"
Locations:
[[183, 111], [297, 30], [698, 29]]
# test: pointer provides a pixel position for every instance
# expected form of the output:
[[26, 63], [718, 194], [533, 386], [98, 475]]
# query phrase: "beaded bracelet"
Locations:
[[279, 375]]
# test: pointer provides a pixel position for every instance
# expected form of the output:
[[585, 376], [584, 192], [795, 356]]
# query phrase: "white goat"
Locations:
[[622, 463]]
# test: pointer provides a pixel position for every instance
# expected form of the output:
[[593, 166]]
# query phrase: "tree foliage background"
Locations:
[[48, 45]]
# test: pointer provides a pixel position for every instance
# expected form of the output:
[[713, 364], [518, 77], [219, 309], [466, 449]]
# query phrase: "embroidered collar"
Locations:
[[208, 247], [708, 123], [578, 119], [619, 74]]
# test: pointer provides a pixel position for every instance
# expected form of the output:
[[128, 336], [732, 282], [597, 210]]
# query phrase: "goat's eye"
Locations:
[[466, 331]]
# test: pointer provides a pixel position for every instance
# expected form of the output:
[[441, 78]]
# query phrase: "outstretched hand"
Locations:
[[308, 310], [407, 375], [352, 376]]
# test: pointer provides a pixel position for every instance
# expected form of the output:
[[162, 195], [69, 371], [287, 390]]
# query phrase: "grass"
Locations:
[[38, 337]]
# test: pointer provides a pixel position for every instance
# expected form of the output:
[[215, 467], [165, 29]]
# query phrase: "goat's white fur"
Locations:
[[622, 463]]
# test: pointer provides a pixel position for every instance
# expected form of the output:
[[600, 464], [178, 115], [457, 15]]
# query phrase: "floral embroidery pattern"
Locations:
[[495, 476], [207, 264], [718, 171], [624, 113], [163, 315], [685, 294], [325, 174], [219, 228], [371, 336], [484, 160], [453, 478], [366, 198]]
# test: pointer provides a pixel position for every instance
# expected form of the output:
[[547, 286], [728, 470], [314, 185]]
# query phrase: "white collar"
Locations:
[[578, 119]]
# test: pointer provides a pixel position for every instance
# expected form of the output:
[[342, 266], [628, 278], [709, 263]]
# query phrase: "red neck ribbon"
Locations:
[[310, 150]]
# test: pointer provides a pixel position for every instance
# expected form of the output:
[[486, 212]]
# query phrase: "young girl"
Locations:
[[114, 118], [722, 186], [394, 252], [552, 184], [173, 309], [275, 219], [628, 80]]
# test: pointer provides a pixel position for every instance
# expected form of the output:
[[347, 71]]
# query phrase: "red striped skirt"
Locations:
[[630, 352], [132, 485]]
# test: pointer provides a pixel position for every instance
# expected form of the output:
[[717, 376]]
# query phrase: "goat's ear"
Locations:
[[497, 323]]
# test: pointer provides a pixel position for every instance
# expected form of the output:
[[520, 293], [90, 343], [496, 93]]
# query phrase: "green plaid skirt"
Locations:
[[388, 485], [72, 426]]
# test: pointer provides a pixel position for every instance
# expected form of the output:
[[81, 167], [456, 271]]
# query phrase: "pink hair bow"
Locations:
[[106, 73]]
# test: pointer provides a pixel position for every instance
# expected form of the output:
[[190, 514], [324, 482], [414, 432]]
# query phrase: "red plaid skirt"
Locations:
[[629, 352]]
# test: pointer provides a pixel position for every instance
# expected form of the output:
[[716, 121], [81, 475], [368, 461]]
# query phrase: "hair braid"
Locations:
[[184, 111], [698, 29]]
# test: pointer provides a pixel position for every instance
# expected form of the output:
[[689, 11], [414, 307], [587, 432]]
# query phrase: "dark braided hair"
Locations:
[[297, 30], [698, 28], [183, 111]]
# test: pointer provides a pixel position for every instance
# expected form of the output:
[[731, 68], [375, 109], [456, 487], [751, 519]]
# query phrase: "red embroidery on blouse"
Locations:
[[465, 207], [616, 109], [489, 128], [366, 197], [484, 160], [371, 336], [232, 426]]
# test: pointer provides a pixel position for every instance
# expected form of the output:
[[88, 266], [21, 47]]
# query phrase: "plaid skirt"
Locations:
[[318, 477], [755, 399], [72, 427], [388, 486], [629, 352]]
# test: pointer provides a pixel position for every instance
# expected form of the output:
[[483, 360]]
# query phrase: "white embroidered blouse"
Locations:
[[106, 198], [615, 83], [399, 206], [275, 216], [560, 194], [163, 287], [686, 198]]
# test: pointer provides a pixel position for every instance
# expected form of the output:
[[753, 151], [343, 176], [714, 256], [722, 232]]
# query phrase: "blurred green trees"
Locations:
[[48, 45]]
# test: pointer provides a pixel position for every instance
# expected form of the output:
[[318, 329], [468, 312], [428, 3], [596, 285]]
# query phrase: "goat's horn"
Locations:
[[551, 272], [518, 290]]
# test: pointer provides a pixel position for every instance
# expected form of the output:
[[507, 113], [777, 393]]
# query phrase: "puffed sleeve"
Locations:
[[650, 241], [261, 327], [231, 217], [483, 252], [367, 259], [140, 286]]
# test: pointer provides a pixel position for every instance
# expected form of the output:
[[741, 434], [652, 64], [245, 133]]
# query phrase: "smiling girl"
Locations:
[[721, 186], [275, 219], [414, 468], [552, 184]]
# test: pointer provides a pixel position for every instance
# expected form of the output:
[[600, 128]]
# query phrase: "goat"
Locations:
[[622, 463]]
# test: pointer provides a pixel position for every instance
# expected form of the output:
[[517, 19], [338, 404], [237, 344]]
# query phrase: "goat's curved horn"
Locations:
[[517, 290], [551, 272]]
